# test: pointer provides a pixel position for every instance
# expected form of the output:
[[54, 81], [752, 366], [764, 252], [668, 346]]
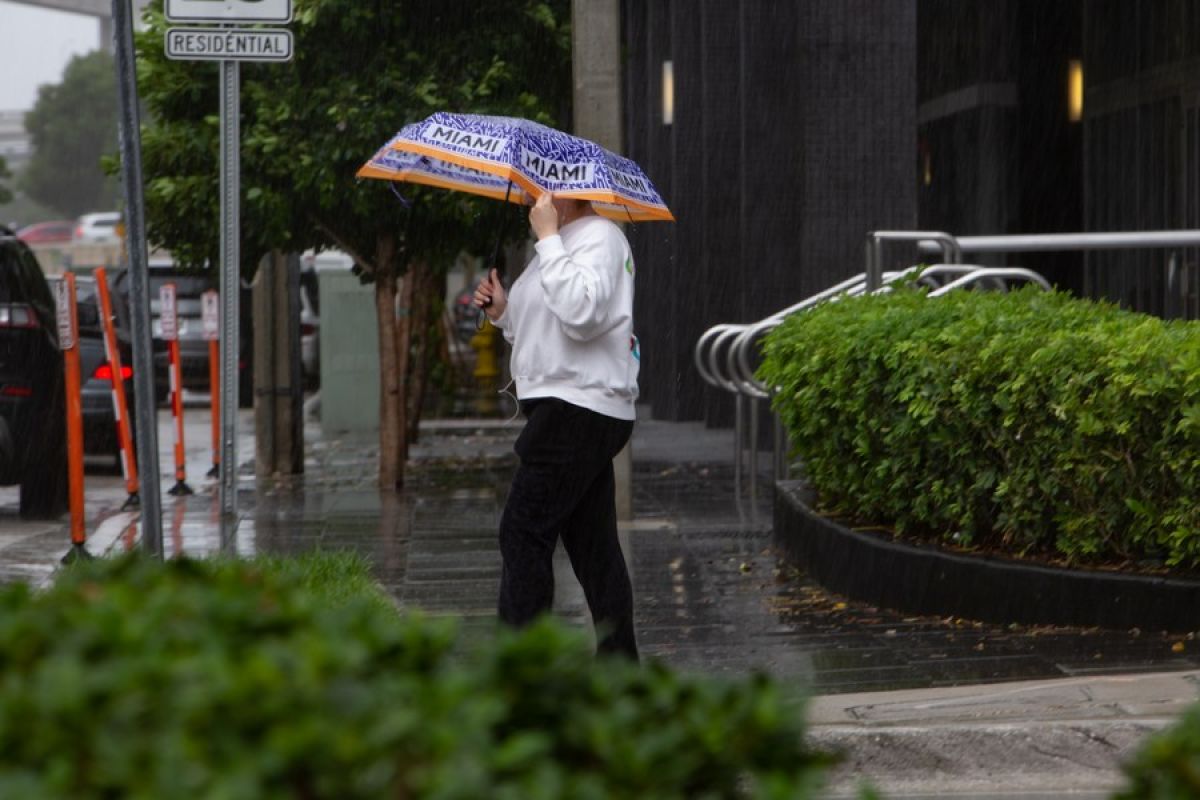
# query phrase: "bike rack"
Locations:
[[722, 353]]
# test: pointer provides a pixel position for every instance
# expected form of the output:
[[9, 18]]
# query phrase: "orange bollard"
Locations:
[[120, 406], [168, 317], [210, 304], [68, 342], [130, 536], [177, 528]]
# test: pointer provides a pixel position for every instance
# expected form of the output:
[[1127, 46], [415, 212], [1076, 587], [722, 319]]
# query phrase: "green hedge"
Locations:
[[1028, 421], [136, 679], [1167, 766]]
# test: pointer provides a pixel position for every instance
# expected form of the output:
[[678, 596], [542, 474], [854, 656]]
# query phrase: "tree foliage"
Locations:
[[361, 71], [72, 126], [6, 194]]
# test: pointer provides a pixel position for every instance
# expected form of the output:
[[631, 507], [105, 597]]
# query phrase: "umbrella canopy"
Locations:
[[515, 159]]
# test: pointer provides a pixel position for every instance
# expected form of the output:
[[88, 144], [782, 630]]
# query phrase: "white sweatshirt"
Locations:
[[570, 320]]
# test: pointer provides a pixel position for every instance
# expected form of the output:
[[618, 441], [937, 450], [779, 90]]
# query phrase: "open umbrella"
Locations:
[[507, 158]]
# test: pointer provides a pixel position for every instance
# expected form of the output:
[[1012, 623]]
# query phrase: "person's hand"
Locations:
[[491, 297], [543, 217]]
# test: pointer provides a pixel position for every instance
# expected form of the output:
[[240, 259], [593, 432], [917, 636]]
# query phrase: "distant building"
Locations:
[[15, 147]]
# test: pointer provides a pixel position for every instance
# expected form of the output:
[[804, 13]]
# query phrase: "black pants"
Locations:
[[564, 487]]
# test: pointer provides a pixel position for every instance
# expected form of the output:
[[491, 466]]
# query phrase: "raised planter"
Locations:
[[927, 580]]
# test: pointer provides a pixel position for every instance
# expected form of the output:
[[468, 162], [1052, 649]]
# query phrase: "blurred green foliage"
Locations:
[[137, 679], [1167, 766], [72, 125], [1029, 422]]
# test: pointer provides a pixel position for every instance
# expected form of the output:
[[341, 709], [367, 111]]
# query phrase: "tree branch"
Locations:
[[345, 247]]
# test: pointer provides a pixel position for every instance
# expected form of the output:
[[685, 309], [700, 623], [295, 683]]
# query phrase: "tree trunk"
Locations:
[[430, 299], [391, 368], [403, 345]]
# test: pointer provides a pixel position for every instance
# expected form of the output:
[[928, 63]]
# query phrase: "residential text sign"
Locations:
[[229, 44], [229, 10]]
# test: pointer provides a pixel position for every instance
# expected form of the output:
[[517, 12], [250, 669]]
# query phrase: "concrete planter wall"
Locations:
[[926, 580]]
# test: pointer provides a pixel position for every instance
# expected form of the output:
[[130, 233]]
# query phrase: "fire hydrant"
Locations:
[[486, 372]]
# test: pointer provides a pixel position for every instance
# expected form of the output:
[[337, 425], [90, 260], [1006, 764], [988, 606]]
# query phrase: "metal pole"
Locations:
[[139, 278], [738, 401], [230, 282], [1052, 242], [754, 450], [781, 448]]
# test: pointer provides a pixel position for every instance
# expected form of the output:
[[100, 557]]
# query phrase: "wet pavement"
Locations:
[[712, 593], [924, 707]]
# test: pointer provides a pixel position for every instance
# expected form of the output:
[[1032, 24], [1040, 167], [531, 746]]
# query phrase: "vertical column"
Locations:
[[596, 49]]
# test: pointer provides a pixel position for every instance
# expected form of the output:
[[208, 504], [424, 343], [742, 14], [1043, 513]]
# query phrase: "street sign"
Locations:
[[166, 312], [210, 319], [66, 320], [229, 10], [229, 44]]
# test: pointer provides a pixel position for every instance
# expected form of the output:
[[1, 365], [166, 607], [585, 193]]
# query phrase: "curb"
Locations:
[[928, 581]]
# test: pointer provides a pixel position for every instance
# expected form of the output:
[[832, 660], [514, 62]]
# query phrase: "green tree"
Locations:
[[72, 126], [361, 71], [6, 194]]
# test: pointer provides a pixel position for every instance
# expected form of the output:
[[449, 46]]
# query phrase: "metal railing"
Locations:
[[722, 354], [1057, 242]]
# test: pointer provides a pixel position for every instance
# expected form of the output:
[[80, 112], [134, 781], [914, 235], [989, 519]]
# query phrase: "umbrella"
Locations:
[[507, 158]]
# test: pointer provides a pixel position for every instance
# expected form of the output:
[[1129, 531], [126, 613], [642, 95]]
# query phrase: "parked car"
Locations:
[[190, 284], [33, 442], [51, 232], [98, 228], [96, 373]]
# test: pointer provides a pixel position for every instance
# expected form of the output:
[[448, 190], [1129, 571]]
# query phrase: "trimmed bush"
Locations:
[[138, 679], [1167, 766], [1030, 422]]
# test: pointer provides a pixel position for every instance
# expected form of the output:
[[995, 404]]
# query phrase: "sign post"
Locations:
[[230, 46], [139, 277]]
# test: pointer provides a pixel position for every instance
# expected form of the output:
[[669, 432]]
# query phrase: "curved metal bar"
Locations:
[[985, 273], [726, 336], [951, 253], [698, 356]]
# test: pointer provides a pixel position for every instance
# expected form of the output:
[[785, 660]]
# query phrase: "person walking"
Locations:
[[575, 360]]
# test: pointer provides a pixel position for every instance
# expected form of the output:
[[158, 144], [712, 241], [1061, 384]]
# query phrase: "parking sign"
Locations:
[[166, 312]]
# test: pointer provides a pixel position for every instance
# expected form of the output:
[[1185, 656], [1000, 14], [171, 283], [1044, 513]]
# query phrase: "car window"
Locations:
[[87, 307], [39, 291]]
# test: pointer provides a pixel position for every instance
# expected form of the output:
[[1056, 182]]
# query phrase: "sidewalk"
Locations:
[[924, 707]]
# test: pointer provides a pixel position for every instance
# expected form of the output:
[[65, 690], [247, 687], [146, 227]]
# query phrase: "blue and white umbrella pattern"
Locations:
[[516, 159]]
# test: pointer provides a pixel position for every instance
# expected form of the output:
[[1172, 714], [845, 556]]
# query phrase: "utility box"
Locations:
[[349, 347]]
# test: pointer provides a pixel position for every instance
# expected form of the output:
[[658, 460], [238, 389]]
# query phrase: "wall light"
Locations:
[[668, 93], [1075, 90]]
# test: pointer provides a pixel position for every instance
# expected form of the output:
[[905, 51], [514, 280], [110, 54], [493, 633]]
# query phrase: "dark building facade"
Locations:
[[797, 127], [1142, 147], [794, 125]]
